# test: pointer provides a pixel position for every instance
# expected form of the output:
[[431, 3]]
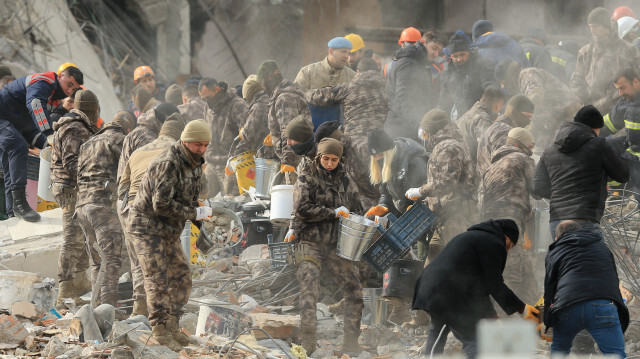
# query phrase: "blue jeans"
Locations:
[[584, 224], [599, 317]]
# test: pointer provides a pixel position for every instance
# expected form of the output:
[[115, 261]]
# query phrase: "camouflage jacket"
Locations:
[[550, 95], [592, 80], [194, 109], [472, 126], [493, 138], [507, 185], [364, 100], [168, 193], [286, 103], [316, 195], [137, 165], [321, 74], [450, 173], [71, 131], [256, 128], [357, 161], [228, 116], [146, 131], [98, 167]]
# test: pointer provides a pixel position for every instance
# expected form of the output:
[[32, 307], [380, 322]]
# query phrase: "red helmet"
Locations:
[[621, 11], [410, 34]]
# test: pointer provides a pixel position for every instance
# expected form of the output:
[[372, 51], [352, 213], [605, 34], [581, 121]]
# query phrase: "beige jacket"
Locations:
[[321, 74]]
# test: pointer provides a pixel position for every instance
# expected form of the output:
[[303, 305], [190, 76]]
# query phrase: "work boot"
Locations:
[[21, 207], [421, 319], [350, 345], [140, 307], [173, 326], [164, 337], [309, 340], [81, 283], [337, 308], [66, 290]]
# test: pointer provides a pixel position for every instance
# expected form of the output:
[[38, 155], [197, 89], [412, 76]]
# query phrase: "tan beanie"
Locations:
[[250, 88], [521, 135], [126, 120], [433, 121], [172, 126], [196, 131], [174, 95], [330, 146]]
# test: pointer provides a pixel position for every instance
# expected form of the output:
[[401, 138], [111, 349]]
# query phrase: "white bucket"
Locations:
[[222, 319], [281, 210], [44, 176], [16, 286]]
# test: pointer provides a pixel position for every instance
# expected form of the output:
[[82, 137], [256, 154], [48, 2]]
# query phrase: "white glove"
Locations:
[[289, 236], [203, 213], [413, 193], [342, 211], [421, 134]]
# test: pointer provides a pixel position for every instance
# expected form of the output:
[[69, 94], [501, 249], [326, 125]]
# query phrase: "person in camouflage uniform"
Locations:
[[128, 188], [554, 101], [166, 198], [71, 131], [364, 99], [228, 114], [517, 114], [474, 122], [256, 127], [95, 207], [450, 189], [507, 187], [287, 102], [193, 107], [322, 193]]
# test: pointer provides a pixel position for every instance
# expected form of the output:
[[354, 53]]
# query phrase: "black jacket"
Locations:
[[540, 57], [409, 90], [456, 286], [573, 173], [580, 267]]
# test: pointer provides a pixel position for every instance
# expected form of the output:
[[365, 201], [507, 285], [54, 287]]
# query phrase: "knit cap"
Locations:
[[172, 127], [458, 43], [126, 120], [520, 136], [164, 110], [174, 95], [510, 229], [379, 141], [480, 28], [299, 129], [196, 131], [433, 121], [266, 68], [599, 16], [589, 116], [328, 129], [515, 108], [330, 146], [250, 88]]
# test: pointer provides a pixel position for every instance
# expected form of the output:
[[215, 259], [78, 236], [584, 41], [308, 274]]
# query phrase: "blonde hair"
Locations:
[[377, 176]]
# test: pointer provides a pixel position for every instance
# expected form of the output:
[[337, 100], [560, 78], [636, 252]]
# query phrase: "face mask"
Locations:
[[302, 149]]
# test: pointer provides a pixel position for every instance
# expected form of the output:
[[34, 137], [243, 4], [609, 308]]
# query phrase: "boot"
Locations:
[[337, 308], [350, 345], [66, 290], [173, 326], [140, 308], [21, 207], [81, 283], [309, 340], [398, 313], [164, 337], [421, 319]]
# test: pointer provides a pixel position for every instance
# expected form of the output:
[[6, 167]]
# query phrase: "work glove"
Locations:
[[531, 314], [413, 193], [203, 213], [240, 136], [290, 236], [540, 331], [228, 170], [287, 169], [526, 245], [342, 211], [422, 134], [377, 211], [268, 141]]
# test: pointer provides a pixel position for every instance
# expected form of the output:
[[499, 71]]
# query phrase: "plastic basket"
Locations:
[[278, 253], [396, 241]]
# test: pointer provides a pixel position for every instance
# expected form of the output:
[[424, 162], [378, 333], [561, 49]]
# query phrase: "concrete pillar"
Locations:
[[174, 41]]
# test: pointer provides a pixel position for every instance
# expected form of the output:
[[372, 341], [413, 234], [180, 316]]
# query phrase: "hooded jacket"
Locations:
[[539, 57], [410, 92], [497, 46], [71, 131], [573, 173], [229, 114], [472, 125], [580, 267], [457, 284], [256, 127], [494, 137], [146, 131]]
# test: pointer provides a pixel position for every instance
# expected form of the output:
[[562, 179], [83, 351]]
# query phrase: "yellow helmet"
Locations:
[[356, 40], [64, 67]]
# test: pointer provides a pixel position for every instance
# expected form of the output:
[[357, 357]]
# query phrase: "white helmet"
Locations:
[[625, 24]]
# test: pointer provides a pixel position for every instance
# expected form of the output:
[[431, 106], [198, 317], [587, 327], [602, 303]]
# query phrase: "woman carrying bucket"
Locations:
[[322, 193]]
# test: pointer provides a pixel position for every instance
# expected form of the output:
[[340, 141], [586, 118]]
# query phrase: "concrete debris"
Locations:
[[377, 335], [105, 315], [278, 326], [24, 309], [90, 329], [54, 348], [11, 330]]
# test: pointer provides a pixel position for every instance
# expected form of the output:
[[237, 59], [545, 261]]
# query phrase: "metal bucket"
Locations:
[[44, 176], [354, 236], [266, 171], [400, 279], [375, 307]]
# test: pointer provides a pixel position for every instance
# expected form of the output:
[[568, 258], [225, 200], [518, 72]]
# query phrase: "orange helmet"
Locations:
[[142, 71], [621, 11], [410, 34]]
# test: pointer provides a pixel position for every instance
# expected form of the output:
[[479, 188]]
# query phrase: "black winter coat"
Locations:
[[580, 267], [456, 286], [573, 173], [410, 91]]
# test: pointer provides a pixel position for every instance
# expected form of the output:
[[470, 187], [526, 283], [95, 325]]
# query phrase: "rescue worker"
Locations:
[[629, 31], [228, 114], [622, 11], [25, 123], [598, 61], [143, 99], [322, 193], [287, 102], [494, 45], [143, 75], [193, 106], [132, 175], [408, 37], [474, 122], [565, 55], [358, 51], [450, 187], [166, 198], [518, 113], [533, 45], [506, 186], [96, 202], [256, 127], [71, 131], [174, 95], [364, 99]]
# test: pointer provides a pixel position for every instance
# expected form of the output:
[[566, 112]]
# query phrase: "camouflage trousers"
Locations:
[[314, 259], [101, 225], [136, 271], [73, 254], [167, 277], [452, 223]]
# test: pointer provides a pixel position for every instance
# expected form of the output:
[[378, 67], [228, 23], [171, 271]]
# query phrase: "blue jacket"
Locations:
[[497, 46], [26, 103]]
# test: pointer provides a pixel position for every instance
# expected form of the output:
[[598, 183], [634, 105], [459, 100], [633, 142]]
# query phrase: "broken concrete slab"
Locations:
[[105, 315], [49, 224], [90, 329], [189, 321], [24, 309], [254, 252], [278, 326], [54, 348], [44, 295], [139, 340], [16, 286], [11, 330], [138, 319]]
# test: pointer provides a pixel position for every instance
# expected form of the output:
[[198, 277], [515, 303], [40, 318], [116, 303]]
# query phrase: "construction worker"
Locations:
[[143, 75], [358, 52], [494, 45], [71, 131], [533, 45], [629, 31], [408, 37], [96, 202], [622, 11], [25, 123], [166, 198]]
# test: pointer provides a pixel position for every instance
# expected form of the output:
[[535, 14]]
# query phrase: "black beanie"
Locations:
[[380, 141], [589, 116], [326, 130], [510, 229], [165, 110], [458, 43]]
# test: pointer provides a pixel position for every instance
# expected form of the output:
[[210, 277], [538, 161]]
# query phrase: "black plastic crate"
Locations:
[[396, 241], [278, 253]]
